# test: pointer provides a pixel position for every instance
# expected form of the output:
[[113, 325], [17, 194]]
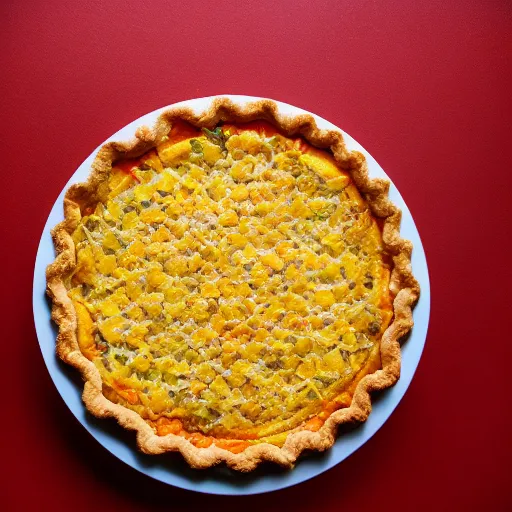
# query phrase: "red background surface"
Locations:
[[425, 88]]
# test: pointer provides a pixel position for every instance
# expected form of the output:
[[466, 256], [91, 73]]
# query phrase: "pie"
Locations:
[[231, 285]]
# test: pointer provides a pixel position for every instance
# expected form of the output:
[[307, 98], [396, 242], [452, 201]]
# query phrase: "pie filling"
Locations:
[[232, 287]]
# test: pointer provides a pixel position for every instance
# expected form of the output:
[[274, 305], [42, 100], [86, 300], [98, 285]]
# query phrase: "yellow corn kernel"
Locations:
[[160, 401], [171, 153], [241, 170], [174, 210], [299, 209], [243, 290], [236, 380], [107, 264], [176, 310], [123, 274], [209, 290], [190, 183], [217, 192], [135, 336], [250, 305], [204, 334], [338, 183], [153, 310], [196, 172], [318, 204], [306, 370], [127, 260], [239, 193], [176, 266], [237, 240], [263, 208], [311, 261], [293, 321], [166, 182], [291, 362], [182, 367], [195, 262], [303, 346], [350, 339], [315, 322], [154, 249], [334, 242], [273, 261], [119, 297], [111, 328], [111, 242], [331, 272], [248, 141], [152, 215], [323, 166], [340, 292], [250, 409], [162, 234], [109, 308], [295, 302], [324, 298], [300, 285], [174, 294], [334, 360], [284, 249], [230, 346], [196, 386], [204, 372], [280, 334], [130, 220], [137, 248], [144, 192], [151, 160], [156, 278], [237, 258], [240, 330], [133, 290], [150, 298], [249, 251], [114, 209], [256, 195], [178, 228], [217, 322], [261, 335], [227, 204], [228, 219], [226, 287], [244, 226], [220, 387], [141, 364], [119, 182], [287, 159], [135, 313], [182, 196], [211, 152], [291, 272]]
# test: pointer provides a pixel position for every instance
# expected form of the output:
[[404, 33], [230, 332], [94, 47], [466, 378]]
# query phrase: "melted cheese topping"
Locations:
[[232, 286]]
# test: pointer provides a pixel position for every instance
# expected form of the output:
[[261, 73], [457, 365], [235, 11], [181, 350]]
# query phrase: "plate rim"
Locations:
[[305, 468]]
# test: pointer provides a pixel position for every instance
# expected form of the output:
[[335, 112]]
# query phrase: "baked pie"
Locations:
[[231, 285]]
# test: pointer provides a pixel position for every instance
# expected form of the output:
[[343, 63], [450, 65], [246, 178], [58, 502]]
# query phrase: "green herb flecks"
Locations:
[[216, 136], [196, 146]]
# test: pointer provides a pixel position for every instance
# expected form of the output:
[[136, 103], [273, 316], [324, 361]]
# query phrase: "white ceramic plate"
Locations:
[[170, 468]]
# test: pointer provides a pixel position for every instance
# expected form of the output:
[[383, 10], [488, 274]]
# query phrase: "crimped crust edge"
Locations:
[[402, 284]]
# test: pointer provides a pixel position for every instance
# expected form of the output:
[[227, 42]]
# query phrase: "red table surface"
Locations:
[[425, 88]]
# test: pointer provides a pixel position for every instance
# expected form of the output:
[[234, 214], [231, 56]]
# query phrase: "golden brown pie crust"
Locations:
[[403, 285]]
